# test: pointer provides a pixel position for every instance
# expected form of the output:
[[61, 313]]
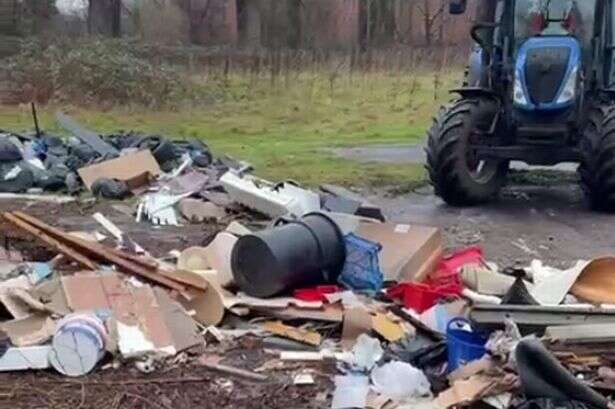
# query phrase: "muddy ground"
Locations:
[[539, 215]]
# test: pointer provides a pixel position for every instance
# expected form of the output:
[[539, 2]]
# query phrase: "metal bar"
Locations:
[[87, 136]]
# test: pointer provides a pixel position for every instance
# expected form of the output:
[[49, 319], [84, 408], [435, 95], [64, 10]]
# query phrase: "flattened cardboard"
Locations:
[[163, 322], [409, 252], [33, 330], [328, 313], [595, 283], [296, 334], [387, 328], [207, 306], [463, 392], [242, 300], [183, 330], [20, 303], [129, 167], [357, 321]]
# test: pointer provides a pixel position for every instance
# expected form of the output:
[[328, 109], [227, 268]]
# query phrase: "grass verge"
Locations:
[[286, 128]]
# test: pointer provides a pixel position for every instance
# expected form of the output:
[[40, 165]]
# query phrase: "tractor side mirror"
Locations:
[[457, 6]]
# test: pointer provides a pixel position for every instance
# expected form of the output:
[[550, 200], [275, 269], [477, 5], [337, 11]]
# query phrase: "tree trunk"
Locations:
[[104, 17], [427, 22]]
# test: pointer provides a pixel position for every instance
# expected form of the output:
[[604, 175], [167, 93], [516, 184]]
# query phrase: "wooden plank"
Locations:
[[66, 250], [101, 252]]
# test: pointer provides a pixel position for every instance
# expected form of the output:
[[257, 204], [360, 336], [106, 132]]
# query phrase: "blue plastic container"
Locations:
[[361, 270], [464, 344]]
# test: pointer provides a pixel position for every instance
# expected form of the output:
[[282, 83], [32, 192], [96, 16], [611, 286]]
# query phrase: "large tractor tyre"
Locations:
[[597, 168], [458, 176]]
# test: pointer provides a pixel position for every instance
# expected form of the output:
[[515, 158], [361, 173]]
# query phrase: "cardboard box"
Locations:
[[133, 168], [409, 252]]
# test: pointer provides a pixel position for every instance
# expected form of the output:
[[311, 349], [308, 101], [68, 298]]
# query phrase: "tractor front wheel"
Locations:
[[597, 168], [457, 174]]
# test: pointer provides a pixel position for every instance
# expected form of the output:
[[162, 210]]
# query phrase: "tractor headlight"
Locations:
[[519, 93], [569, 91]]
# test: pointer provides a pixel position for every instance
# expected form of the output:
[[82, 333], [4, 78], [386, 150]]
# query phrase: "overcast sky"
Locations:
[[71, 6]]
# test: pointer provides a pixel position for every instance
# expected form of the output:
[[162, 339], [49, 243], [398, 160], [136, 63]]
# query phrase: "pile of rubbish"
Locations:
[[327, 280]]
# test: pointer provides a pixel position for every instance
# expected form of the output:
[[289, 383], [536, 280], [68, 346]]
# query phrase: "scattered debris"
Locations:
[[328, 291]]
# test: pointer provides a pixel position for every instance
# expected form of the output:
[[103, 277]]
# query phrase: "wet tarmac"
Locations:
[[551, 223]]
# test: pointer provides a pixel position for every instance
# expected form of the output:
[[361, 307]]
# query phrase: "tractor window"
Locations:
[[554, 17]]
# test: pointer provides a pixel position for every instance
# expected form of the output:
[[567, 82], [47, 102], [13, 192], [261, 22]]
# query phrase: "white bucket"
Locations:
[[78, 344]]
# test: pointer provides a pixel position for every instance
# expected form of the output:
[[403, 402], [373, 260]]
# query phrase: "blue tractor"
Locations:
[[540, 88]]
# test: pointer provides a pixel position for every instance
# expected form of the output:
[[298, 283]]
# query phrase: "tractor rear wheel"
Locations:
[[457, 174], [597, 168]]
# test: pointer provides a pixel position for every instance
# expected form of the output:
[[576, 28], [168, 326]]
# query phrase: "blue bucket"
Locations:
[[464, 345]]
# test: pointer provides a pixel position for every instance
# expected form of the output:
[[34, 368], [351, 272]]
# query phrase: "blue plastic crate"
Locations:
[[362, 268]]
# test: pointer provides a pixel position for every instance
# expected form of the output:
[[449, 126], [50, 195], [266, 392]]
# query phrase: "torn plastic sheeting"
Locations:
[[269, 199], [400, 381], [542, 376], [350, 392], [552, 285], [366, 353]]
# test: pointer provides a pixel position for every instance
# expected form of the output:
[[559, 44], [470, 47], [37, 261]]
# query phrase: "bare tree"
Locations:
[[430, 15], [104, 17]]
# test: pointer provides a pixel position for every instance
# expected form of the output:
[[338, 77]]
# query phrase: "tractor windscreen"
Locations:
[[554, 17]]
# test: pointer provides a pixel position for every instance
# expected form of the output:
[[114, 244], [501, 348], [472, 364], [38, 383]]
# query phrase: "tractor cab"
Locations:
[[540, 88], [550, 41]]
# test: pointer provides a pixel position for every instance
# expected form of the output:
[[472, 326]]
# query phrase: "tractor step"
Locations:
[[530, 154]]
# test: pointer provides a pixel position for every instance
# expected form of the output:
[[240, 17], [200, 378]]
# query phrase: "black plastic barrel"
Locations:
[[294, 254]]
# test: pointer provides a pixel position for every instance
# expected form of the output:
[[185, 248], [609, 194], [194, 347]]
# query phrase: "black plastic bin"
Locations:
[[294, 254]]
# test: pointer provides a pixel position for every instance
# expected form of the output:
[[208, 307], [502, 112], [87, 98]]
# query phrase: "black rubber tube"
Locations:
[[542, 376]]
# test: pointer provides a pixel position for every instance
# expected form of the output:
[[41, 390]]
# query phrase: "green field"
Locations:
[[285, 129]]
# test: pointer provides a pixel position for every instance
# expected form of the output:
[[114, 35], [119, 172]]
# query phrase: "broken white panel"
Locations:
[[481, 298], [111, 227], [25, 358], [551, 284], [159, 208], [38, 198], [13, 173], [133, 343], [303, 379], [269, 199], [350, 392]]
